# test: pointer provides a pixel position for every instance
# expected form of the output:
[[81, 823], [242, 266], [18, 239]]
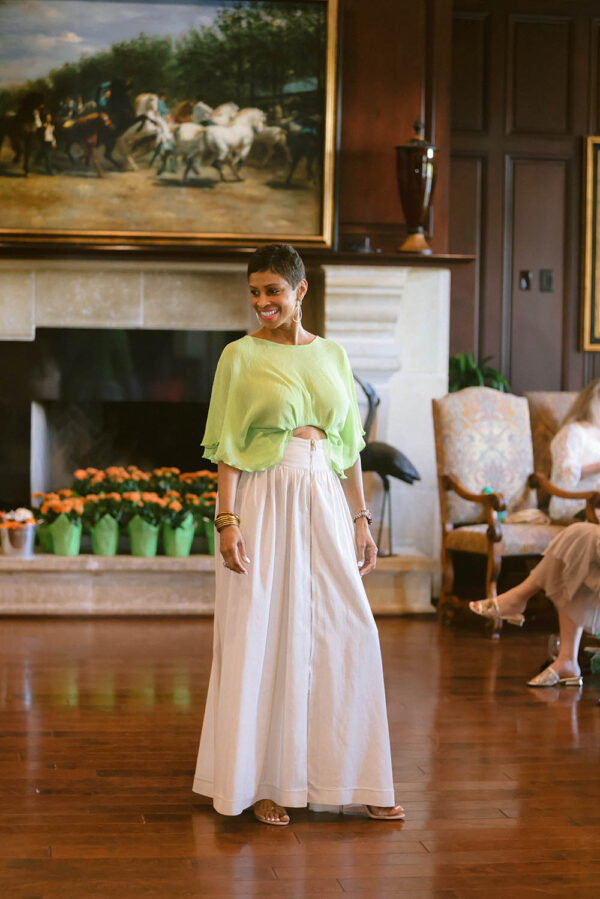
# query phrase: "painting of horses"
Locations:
[[167, 123]]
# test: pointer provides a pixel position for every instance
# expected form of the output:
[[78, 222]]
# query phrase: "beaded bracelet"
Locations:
[[363, 513]]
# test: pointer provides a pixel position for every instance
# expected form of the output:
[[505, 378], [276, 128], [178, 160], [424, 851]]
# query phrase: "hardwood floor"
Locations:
[[99, 729]]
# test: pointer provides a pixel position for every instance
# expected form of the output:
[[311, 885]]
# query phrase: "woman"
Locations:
[[295, 712], [569, 574], [575, 452]]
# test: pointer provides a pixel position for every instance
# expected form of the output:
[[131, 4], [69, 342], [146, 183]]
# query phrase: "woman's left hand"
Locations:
[[366, 550]]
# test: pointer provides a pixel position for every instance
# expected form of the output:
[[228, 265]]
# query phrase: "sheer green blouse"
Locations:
[[263, 390]]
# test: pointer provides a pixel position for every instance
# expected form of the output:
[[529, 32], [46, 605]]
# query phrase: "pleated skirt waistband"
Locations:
[[310, 455]]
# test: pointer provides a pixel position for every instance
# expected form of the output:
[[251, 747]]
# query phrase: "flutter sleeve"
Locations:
[[351, 432], [218, 434]]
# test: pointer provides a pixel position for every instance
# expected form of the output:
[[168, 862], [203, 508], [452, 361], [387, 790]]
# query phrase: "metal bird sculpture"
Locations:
[[385, 460]]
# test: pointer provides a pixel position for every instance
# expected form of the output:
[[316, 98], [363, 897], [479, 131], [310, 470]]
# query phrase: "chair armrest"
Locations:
[[492, 504], [492, 500], [537, 480]]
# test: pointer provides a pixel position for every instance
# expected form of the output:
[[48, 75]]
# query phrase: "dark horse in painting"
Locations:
[[21, 126], [122, 114], [89, 132]]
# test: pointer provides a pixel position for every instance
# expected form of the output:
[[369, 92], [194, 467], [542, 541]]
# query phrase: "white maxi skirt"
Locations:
[[296, 709]]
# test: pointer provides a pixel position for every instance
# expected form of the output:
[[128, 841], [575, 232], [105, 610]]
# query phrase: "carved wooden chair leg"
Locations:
[[494, 564], [447, 602]]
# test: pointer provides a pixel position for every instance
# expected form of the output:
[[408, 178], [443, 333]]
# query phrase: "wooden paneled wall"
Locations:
[[395, 65], [525, 90]]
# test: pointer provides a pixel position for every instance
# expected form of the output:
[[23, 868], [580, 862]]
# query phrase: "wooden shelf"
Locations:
[[313, 256]]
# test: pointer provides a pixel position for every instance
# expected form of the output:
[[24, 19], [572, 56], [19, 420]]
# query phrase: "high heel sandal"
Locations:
[[400, 816], [489, 608]]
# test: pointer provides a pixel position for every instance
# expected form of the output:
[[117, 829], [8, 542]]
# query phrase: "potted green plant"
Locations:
[[179, 523], [207, 505], [142, 516], [464, 371], [63, 512], [102, 513]]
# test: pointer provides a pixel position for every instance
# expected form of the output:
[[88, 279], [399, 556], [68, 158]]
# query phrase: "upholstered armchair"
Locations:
[[547, 409], [485, 462]]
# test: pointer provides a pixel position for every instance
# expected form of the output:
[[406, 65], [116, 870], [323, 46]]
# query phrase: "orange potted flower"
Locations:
[[208, 502], [102, 514], [142, 516], [17, 532], [63, 513], [179, 522]]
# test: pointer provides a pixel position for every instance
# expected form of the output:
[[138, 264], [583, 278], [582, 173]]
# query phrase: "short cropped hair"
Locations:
[[281, 258]]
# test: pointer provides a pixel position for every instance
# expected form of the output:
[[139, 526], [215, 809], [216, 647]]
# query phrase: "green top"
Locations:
[[264, 390]]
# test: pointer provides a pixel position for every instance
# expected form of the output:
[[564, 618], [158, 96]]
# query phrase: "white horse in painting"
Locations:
[[268, 141], [231, 143], [201, 113], [147, 104], [140, 138]]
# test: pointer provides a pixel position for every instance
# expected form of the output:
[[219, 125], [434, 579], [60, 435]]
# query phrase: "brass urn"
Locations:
[[416, 171]]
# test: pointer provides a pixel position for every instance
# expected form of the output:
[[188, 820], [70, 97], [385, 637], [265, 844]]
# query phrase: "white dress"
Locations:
[[296, 707], [569, 574], [574, 446]]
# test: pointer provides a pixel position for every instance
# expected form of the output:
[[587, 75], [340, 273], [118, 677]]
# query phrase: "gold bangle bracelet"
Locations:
[[225, 519]]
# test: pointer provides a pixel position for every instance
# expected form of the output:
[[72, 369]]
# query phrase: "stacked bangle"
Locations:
[[363, 513], [224, 519]]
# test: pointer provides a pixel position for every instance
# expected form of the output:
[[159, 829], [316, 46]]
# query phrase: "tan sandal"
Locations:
[[489, 608], [264, 820], [399, 816], [549, 677]]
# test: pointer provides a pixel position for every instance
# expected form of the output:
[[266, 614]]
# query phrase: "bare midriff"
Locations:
[[309, 432]]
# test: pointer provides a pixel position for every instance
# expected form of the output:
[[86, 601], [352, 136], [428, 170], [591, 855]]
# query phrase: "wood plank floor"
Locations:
[[99, 728]]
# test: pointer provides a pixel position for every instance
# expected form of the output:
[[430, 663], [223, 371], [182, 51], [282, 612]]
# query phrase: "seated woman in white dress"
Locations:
[[575, 453], [569, 574]]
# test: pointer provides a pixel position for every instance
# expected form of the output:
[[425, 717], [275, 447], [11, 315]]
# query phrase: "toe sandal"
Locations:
[[400, 816], [265, 820]]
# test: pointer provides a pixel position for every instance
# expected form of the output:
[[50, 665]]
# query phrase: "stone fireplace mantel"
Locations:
[[392, 320]]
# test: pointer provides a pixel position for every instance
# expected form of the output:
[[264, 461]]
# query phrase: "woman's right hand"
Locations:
[[233, 549]]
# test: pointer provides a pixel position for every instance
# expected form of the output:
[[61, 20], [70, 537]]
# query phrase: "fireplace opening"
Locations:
[[84, 397]]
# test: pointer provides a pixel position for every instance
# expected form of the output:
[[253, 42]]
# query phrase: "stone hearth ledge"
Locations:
[[129, 585]]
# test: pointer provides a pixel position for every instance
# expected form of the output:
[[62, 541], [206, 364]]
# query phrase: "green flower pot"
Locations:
[[44, 535], [105, 536], [209, 530], [66, 536], [178, 541], [143, 537]]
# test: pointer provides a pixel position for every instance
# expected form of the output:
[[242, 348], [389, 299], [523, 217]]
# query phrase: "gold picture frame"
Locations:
[[285, 199], [590, 311]]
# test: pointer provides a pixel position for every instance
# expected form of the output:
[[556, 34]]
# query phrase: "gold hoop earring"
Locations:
[[297, 311]]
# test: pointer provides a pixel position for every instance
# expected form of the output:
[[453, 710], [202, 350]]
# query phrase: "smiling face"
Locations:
[[274, 299]]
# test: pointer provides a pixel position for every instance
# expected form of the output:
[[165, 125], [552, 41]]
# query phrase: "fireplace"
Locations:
[[162, 326], [100, 397]]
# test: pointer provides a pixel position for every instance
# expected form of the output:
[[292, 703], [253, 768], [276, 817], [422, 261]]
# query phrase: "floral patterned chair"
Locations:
[[547, 409], [484, 457]]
